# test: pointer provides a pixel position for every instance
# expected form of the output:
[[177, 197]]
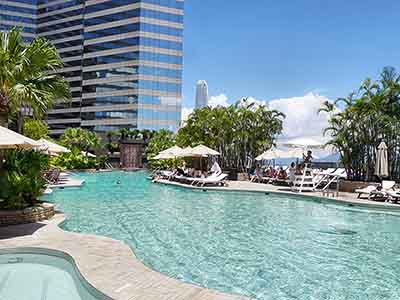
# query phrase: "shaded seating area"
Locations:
[[196, 175]]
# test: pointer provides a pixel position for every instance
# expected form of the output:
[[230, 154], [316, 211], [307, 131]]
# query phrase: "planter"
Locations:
[[34, 214], [350, 186]]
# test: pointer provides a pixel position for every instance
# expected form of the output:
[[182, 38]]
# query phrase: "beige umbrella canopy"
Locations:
[[169, 153], [51, 147], [173, 150], [204, 151], [382, 163], [198, 151], [12, 140], [187, 152]]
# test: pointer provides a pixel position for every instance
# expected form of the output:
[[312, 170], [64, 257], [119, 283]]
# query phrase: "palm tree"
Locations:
[[24, 75], [360, 121]]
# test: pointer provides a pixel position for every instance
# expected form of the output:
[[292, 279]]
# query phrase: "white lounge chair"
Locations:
[[212, 180], [387, 187], [366, 191]]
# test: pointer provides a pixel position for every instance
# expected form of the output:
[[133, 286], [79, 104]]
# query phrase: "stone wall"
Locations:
[[41, 212]]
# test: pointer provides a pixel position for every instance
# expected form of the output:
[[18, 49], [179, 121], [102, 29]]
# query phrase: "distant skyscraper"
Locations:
[[201, 94]]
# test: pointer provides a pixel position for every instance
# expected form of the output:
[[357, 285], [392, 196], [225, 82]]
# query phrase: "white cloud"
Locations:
[[302, 117], [219, 100], [186, 111]]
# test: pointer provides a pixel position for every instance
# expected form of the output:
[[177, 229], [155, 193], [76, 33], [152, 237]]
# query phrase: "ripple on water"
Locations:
[[264, 246]]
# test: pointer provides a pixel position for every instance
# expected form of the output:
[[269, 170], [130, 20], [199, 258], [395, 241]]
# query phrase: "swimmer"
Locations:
[[118, 181]]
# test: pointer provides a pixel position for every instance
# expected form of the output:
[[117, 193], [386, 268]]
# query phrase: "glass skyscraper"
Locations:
[[122, 58]]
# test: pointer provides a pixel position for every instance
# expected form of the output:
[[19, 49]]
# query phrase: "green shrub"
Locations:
[[113, 147], [75, 160], [21, 178], [36, 129]]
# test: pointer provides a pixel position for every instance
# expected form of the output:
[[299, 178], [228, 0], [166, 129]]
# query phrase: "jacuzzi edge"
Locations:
[[63, 255]]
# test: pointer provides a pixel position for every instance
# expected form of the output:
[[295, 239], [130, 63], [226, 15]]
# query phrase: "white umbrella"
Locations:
[[188, 152], [382, 163], [304, 143], [204, 151], [282, 154], [175, 150], [12, 140], [270, 154], [52, 148], [169, 153]]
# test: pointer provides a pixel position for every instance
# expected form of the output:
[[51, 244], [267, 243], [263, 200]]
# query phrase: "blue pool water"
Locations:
[[264, 246], [27, 274]]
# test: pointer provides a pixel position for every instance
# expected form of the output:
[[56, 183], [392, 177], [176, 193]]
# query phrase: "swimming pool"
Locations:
[[264, 246], [42, 274]]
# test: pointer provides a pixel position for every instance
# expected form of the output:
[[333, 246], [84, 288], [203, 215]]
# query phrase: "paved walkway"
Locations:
[[109, 265]]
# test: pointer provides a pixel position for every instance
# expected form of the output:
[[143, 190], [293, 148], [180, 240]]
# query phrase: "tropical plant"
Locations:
[[75, 160], [238, 132], [36, 129], [113, 147], [161, 140], [359, 122], [81, 139], [25, 79], [21, 180]]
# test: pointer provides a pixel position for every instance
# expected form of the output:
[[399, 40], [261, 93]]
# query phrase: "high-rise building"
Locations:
[[123, 59], [201, 94]]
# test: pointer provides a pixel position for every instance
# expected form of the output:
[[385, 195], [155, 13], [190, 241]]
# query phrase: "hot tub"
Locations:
[[42, 274]]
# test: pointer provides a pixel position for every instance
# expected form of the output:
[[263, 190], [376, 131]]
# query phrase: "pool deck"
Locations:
[[349, 199], [107, 264]]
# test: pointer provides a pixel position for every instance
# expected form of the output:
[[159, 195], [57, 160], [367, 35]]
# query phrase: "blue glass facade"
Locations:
[[122, 58]]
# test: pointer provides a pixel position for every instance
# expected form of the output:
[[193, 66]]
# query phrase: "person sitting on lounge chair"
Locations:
[[282, 175], [271, 173]]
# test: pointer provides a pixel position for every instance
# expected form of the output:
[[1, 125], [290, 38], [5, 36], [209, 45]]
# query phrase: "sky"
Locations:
[[293, 54]]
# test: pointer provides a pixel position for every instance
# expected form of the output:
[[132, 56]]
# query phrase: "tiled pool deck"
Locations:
[[111, 266]]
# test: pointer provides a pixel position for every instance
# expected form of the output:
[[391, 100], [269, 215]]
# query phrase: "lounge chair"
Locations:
[[212, 180], [366, 191], [167, 174], [393, 196], [387, 187]]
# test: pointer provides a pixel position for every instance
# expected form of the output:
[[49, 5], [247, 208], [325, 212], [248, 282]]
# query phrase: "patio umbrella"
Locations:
[[270, 154], [188, 152], [169, 153], [52, 148], [281, 154], [204, 151], [175, 150], [12, 140], [163, 156], [382, 164]]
